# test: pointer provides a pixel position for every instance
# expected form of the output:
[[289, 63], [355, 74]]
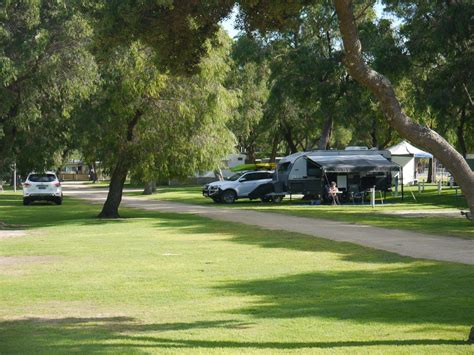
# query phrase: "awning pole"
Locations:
[[403, 195]]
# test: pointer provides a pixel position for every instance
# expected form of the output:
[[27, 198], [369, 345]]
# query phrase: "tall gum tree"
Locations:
[[157, 126]]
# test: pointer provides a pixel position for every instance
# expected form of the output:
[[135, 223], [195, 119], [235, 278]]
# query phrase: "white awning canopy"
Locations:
[[406, 149]]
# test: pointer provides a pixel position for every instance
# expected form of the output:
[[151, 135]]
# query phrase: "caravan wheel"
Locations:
[[277, 199]]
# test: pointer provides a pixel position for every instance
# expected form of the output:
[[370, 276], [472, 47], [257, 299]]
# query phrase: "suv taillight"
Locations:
[[57, 184], [26, 184]]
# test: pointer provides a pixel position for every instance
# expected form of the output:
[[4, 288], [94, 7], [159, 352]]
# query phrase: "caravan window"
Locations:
[[313, 170], [282, 168]]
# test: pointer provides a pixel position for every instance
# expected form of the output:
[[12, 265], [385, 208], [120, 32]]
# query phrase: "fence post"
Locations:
[[439, 187], [14, 177]]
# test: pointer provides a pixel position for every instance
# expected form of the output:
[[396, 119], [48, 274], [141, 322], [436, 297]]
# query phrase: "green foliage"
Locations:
[[45, 72], [163, 126], [250, 78], [176, 30], [439, 39]]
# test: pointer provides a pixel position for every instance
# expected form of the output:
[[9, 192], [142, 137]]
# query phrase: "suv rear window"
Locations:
[[42, 177]]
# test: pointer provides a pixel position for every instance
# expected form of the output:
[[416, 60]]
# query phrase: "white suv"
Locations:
[[42, 187], [250, 184]]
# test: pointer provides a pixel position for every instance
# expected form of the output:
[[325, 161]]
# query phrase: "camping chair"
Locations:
[[1, 186], [355, 194]]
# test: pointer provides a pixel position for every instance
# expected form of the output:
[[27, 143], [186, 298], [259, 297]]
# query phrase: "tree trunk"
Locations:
[[7, 142], [119, 174], [381, 87], [251, 155], [460, 133], [430, 171], [114, 197], [273, 154], [289, 140], [326, 133], [150, 188], [373, 132]]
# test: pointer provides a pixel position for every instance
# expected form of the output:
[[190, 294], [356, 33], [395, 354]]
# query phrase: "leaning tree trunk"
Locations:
[[114, 197], [460, 132], [381, 87], [119, 174]]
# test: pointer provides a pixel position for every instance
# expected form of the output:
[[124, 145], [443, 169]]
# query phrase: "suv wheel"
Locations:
[[228, 196], [216, 199], [59, 201], [26, 201]]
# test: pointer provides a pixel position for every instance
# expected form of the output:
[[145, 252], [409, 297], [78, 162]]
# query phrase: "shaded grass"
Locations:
[[381, 216], [156, 282]]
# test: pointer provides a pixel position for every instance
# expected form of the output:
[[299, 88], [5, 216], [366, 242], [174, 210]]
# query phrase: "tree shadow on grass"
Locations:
[[39, 214], [105, 334], [415, 295], [264, 238]]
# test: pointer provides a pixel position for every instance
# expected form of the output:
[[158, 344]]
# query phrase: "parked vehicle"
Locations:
[[42, 187], [354, 171], [249, 184]]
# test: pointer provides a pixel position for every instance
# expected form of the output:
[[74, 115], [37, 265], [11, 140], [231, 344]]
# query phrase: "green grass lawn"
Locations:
[[154, 282], [381, 216]]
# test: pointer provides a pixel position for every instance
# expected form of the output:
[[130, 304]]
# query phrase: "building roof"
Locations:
[[354, 163], [405, 148]]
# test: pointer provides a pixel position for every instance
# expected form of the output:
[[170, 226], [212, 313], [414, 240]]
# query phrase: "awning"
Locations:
[[405, 148], [354, 163]]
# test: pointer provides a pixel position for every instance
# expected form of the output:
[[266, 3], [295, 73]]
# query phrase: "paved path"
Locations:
[[405, 243]]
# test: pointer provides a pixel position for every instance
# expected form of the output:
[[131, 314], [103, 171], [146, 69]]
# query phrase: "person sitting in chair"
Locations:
[[333, 191]]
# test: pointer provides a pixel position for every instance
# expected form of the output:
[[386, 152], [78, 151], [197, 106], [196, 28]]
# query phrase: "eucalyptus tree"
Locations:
[[46, 70], [250, 78], [155, 125]]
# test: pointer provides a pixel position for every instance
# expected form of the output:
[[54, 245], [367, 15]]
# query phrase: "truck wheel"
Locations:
[[277, 199], [228, 196], [266, 199]]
